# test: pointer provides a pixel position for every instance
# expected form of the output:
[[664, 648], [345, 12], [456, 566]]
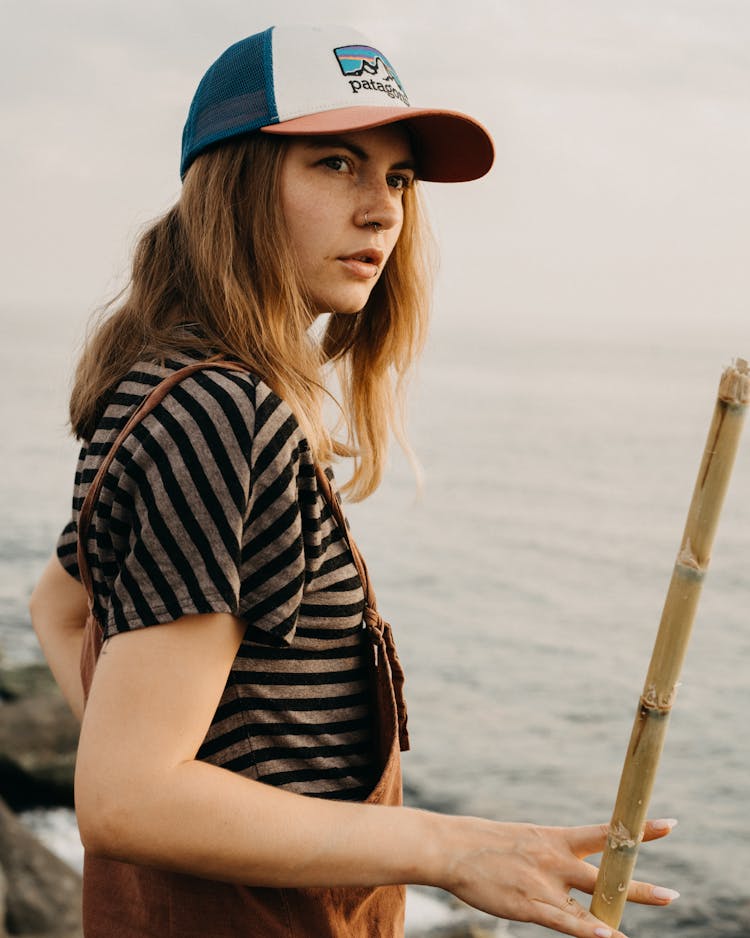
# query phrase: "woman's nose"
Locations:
[[381, 207]]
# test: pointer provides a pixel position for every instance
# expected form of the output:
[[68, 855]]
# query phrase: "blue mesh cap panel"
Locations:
[[235, 96]]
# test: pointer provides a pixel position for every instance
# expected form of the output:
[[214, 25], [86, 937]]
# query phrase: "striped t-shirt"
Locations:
[[211, 504]]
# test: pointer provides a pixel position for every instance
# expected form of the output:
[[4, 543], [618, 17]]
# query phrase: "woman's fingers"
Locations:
[[585, 841], [653, 830], [571, 918], [648, 894], [584, 879]]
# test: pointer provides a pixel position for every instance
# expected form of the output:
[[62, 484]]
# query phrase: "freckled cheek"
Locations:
[[301, 208], [305, 239], [309, 224]]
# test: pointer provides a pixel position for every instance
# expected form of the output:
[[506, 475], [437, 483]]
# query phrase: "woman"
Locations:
[[238, 771]]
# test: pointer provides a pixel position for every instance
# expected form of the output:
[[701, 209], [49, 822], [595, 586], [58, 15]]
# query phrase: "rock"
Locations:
[[38, 740], [42, 894], [25, 681]]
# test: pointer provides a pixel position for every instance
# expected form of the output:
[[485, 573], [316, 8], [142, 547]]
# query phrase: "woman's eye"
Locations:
[[397, 181], [336, 163]]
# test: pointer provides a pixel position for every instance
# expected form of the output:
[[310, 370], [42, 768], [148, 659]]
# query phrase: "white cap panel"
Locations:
[[320, 68]]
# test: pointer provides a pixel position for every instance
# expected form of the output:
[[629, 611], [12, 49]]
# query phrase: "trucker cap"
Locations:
[[310, 80]]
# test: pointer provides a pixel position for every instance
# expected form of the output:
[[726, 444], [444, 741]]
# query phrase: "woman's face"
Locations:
[[328, 184]]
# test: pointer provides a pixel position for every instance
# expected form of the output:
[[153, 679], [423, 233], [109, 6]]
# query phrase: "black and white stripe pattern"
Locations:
[[212, 505]]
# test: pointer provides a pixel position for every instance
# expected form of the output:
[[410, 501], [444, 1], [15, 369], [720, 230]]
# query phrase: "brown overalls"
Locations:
[[121, 900]]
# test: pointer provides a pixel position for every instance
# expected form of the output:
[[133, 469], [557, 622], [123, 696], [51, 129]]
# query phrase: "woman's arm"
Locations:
[[142, 796], [58, 609]]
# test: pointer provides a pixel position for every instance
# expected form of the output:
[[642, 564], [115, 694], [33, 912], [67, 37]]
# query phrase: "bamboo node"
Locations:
[[620, 837], [657, 706], [734, 387], [649, 699], [689, 573], [687, 558], [652, 701]]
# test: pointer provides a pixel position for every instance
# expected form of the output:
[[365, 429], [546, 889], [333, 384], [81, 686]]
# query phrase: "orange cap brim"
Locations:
[[450, 146]]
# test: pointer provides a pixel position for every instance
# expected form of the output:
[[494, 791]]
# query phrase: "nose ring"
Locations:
[[371, 224]]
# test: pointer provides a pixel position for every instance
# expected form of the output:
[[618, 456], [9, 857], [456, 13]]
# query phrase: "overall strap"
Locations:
[[378, 629]]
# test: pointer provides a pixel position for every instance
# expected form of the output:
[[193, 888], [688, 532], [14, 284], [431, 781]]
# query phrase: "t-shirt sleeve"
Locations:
[[67, 543], [178, 510], [66, 549]]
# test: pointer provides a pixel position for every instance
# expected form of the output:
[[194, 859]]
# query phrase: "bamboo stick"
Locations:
[[655, 704]]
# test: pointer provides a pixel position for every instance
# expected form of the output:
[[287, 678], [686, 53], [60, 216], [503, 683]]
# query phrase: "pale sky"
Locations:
[[620, 192]]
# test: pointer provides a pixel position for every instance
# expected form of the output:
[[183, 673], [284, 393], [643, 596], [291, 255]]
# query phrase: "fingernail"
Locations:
[[664, 824], [659, 892], [603, 932]]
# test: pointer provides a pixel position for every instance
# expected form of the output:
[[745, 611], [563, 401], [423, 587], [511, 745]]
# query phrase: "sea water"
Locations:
[[524, 583]]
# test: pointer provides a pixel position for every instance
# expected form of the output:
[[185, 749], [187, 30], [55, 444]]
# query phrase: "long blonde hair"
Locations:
[[220, 259]]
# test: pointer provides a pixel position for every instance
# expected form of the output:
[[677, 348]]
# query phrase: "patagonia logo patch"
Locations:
[[369, 70]]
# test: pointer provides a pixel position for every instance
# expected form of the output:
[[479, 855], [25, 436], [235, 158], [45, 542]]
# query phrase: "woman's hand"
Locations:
[[524, 872]]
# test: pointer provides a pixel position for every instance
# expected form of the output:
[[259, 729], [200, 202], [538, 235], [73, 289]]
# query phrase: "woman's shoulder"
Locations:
[[215, 399], [210, 384], [147, 374]]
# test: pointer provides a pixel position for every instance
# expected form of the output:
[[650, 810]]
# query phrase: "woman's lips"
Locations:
[[364, 264]]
